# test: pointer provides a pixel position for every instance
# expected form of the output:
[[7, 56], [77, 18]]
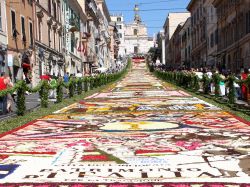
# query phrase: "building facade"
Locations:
[[104, 56], [233, 33], [74, 22], [186, 44], [48, 39], [172, 22], [3, 37], [92, 35], [20, 27], [114, 42], [136, 37], [175, 49], [211, 34], [199, 37], [118, 19]]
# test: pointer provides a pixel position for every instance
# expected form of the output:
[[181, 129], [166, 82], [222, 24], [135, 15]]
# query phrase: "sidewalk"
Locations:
[[32, 102]]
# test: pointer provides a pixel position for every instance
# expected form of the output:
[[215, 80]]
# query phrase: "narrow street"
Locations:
[[140, 131]]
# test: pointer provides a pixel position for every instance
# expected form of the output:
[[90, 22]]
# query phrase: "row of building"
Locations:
[[213, 33], [55, 37]]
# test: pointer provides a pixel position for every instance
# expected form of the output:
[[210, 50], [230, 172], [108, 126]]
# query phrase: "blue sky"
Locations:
[[153, 19]]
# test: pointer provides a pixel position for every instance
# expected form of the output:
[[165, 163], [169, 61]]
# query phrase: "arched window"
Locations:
[[135, 31]]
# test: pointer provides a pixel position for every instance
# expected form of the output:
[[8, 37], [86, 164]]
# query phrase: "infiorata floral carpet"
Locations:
[[140, 132]]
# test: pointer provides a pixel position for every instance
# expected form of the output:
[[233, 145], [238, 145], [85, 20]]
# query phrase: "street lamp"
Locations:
[[137, 20]]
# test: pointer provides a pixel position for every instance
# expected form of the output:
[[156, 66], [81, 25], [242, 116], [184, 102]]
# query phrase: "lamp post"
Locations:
[[137, 21]]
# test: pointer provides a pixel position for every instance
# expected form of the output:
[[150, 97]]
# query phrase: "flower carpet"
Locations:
[[139, 132]]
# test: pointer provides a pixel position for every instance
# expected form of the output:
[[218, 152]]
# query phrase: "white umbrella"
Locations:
[[102, 69]]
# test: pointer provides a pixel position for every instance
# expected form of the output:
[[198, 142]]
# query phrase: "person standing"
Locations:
[[45, 77], [53, 84], [66, 80], [66, 77], [7, 100], [10, 99], [244, 76], [3, 99]]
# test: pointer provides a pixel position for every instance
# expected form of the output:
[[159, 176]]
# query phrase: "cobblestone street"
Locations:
[[139, 131]]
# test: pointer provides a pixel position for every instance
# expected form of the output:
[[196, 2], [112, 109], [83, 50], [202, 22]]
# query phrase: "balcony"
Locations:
[[74, 25], [93, 8], [49, 21], [40, 14], [90, 58]]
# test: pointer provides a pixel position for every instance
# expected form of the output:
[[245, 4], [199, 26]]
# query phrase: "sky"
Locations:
[[153, 12]]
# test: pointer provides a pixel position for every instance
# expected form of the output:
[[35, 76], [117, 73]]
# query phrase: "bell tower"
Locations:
[[137, 18]]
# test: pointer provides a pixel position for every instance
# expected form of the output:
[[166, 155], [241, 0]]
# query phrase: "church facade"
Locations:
[[136, 37]]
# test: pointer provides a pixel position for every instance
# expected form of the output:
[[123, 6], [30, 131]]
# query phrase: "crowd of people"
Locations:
[[7, 101], [242, 90]]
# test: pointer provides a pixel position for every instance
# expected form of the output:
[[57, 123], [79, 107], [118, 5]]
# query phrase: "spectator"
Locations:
[[53, 84], [237, 88], [222, 85], [7, 100], [46, 77], [3, 99], [10, 99], [66, 77], [244, 76]]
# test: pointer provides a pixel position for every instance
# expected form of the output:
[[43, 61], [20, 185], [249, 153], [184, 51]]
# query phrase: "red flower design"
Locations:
[[95, 158]]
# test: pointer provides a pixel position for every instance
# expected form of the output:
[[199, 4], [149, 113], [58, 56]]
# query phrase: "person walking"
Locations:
[[7, 100]]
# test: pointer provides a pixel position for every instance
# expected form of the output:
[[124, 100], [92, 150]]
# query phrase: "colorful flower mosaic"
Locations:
[[140, 133]]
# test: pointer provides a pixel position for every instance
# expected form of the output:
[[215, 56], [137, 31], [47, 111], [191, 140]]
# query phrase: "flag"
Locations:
[[79, 49]]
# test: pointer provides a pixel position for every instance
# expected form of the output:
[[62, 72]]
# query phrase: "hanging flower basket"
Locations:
[[73, 29]]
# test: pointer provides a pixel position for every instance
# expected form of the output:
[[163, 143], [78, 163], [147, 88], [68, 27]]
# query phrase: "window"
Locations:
[[212, 40], [119, 26], [216, 37], [135, 32], [31, 33], [39, 31], [54, 7], [49, 6], [23, 29], [13, 23], [119, 19], [54, 39], [1, 26], [189, 51], [248, 22], [49, 37], [135, 49], [72, 42], [59, 43]]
